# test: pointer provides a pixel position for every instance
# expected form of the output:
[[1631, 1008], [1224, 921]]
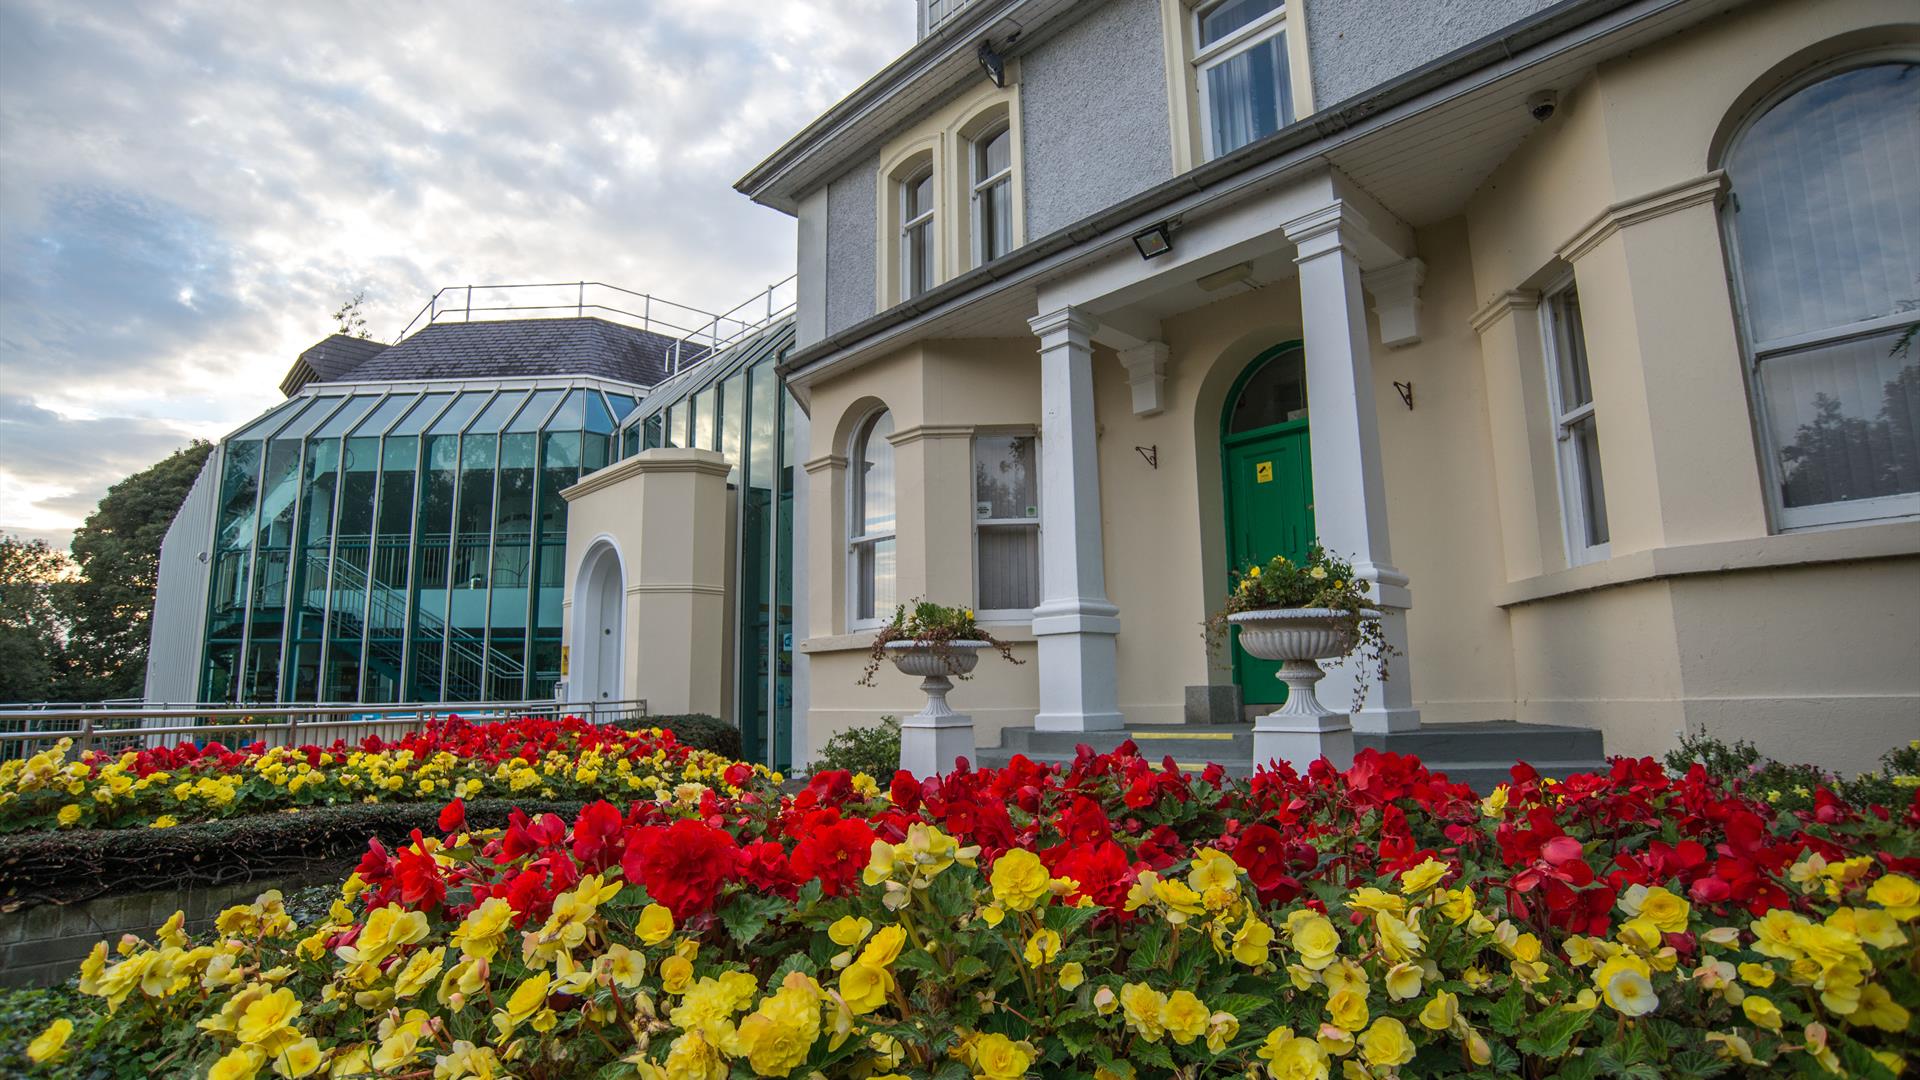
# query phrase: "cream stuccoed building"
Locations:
[[1585, 328]]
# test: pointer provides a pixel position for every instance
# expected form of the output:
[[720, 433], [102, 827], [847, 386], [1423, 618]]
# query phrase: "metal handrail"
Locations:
[[284, 719]]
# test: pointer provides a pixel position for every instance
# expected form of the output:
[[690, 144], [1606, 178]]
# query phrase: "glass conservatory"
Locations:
[[401, 542], [736, 404]]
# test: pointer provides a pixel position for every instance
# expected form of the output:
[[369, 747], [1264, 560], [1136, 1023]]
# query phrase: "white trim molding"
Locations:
[[1705, 189]]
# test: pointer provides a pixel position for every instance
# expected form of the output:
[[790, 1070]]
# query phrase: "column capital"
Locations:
[[1067, 319], [1323, 231]]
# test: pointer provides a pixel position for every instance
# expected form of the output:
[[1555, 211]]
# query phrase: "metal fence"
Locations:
[[25, 731]]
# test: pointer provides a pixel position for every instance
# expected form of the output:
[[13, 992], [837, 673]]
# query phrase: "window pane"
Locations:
[[1585, 440], [919, 256], [703, 420], [1843, 417], [677, 423], [873, 511], [1276, 393], [874, 575], [1225, 18], [995, 154], [996, 221], [1249, 95], [1004, 471], [1570, 349], [732, 413], [1009, 567], [919, 196], [1826, 215]]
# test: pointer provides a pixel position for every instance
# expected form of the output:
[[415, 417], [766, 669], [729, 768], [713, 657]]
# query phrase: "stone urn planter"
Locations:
[[932, 738], [1302, 729]]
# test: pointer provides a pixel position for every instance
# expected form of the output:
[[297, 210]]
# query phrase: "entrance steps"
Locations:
[[1477, 754]]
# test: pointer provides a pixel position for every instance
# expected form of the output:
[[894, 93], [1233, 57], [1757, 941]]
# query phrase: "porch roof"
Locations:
[[1420, 144]]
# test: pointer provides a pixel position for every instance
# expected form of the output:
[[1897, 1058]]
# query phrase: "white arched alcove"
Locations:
[[599, 627]]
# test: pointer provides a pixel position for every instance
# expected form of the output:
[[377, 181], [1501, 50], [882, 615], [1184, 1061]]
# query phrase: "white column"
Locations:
[[1075, 623], [1349, 490]]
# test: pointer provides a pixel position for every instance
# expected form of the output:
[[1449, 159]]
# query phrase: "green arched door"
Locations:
[[1268, 472]]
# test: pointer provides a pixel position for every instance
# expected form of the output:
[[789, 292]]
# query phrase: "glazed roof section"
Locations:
[[521, 348], [771, 343]]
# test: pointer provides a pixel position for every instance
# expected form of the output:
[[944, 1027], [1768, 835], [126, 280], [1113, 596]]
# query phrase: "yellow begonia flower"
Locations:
[[1403, 981], [1290, 1057], [656, 924], [1386, 1045], [1143, 1009], [1041, 948], [848, 931], [1348, 1009], [1185, 1017], [1020, 880], [676, 973], [240, 1063], [1314, 937], [300, 1059], [1762, 1012], [51, 1044], [996, 1057], [1439, 1013], [1071, 976], [778, 1035], [864, 987], [1662, 908], [1420, 879], [1897, 893], [1252, 942]]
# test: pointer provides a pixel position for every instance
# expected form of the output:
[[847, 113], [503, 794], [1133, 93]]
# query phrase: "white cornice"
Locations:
[[1700, 190], [1503, 305]]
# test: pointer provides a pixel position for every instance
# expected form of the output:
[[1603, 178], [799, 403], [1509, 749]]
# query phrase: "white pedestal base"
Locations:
[[1302, 730], [932, 738]]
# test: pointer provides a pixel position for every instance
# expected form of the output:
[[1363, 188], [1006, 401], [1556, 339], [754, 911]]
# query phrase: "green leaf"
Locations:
[[1549, 1034], [1506, 1014], [1152, 1053]]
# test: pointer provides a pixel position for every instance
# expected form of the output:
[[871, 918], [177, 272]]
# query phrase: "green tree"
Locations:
[[110, 605], [31, 634]]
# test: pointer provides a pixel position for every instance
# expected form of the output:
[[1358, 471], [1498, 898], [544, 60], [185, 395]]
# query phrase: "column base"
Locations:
[[929, 744], [1105, 721], [1375, 721], [1301, 740]]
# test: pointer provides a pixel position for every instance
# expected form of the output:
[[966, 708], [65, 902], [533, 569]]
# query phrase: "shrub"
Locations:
[[937, 627], [874, 750], [1797, 787], [1111, 918], [702, 732]]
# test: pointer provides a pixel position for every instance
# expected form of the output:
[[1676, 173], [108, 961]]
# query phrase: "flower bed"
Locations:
[[1114, 919], [527, 759]]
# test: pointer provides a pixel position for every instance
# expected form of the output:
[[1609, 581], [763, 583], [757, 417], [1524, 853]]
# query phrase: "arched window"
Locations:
[[870, 521], [1824, 227], [917, 202], [991, 181]]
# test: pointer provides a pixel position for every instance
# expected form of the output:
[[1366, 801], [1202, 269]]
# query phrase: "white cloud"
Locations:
[[188, 188]]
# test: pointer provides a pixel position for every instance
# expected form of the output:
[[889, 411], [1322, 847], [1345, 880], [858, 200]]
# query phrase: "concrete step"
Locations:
[[1479, 755]]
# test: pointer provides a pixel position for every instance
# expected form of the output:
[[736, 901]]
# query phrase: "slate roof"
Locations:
[[329, 361], [523, 348]]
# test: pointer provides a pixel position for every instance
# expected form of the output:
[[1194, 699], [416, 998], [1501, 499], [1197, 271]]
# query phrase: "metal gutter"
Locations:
[[1292, 148]]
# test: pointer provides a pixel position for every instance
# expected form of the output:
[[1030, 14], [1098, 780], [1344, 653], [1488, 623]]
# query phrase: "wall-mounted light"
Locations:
[[1156, 241], [992, 64]]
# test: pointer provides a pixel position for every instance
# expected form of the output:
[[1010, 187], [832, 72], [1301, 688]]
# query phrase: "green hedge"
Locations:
[[68, 866], [700, 731]]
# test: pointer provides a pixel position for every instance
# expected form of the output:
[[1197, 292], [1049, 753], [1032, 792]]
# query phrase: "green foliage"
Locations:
[[936, 626], [700, 731], [872, 750], [109, 606], [25, 1013], [1792, 786], [32, 649]]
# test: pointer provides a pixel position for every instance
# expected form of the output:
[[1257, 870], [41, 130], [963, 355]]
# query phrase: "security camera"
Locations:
[[1541, 105]]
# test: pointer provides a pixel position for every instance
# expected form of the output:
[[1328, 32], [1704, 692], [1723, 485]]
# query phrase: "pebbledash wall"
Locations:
[[1705, 616]]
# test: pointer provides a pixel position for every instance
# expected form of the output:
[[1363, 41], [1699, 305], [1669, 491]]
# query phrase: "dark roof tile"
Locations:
[[524, 348]]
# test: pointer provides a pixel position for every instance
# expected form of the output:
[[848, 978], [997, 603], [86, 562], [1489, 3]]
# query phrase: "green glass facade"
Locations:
[[388, 544], [736, 404]]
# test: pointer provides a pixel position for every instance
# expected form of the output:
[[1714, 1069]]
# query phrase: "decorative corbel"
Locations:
[[1146, 366], [1395, 290]]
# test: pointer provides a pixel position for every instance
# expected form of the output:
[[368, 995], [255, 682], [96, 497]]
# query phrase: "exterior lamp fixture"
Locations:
[[992, 64], [1156, 241]]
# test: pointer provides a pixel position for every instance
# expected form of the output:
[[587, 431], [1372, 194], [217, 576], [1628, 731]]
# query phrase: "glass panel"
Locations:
[[995, 154], [733, 395], [347, 415], [622, 405], [385, 655], [654, 431], [596, 417], [1224, 19], [1585, 439], [467, 584], [1249, 95], [380, 419], [703, 410], [277, 416], [512, 566], [433, 566], [874, 572], [1844, 418], [457, 414], [227, 612], [919, 196], [763, 386], [424, 413], [497, 413], [352, 556], [1570, 349], [873, 478], [677, 423], [919, 255], [782, 755], [1009, 567], [219, 673], [312, 418], [534, 413], [1276, 394], [996, 221], [1826, 216], [1004, 475]]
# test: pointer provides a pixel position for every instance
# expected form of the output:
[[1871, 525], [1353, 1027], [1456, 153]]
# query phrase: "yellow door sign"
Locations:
[[1263, 472], [565, 656]]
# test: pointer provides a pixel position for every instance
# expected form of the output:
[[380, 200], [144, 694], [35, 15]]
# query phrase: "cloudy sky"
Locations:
[[188, 189]]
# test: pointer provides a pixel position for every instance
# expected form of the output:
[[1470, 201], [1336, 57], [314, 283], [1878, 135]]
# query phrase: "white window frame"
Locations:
[[1574, 481], [1269, 26], [909, 254], [1035, 523], [981, 186], [1754, 352], [856, 523]]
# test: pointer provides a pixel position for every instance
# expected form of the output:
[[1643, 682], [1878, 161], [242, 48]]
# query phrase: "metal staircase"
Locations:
[[387, 609]]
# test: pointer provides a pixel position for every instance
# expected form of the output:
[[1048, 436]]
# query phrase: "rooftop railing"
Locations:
[[26, 730], [696, 334]]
